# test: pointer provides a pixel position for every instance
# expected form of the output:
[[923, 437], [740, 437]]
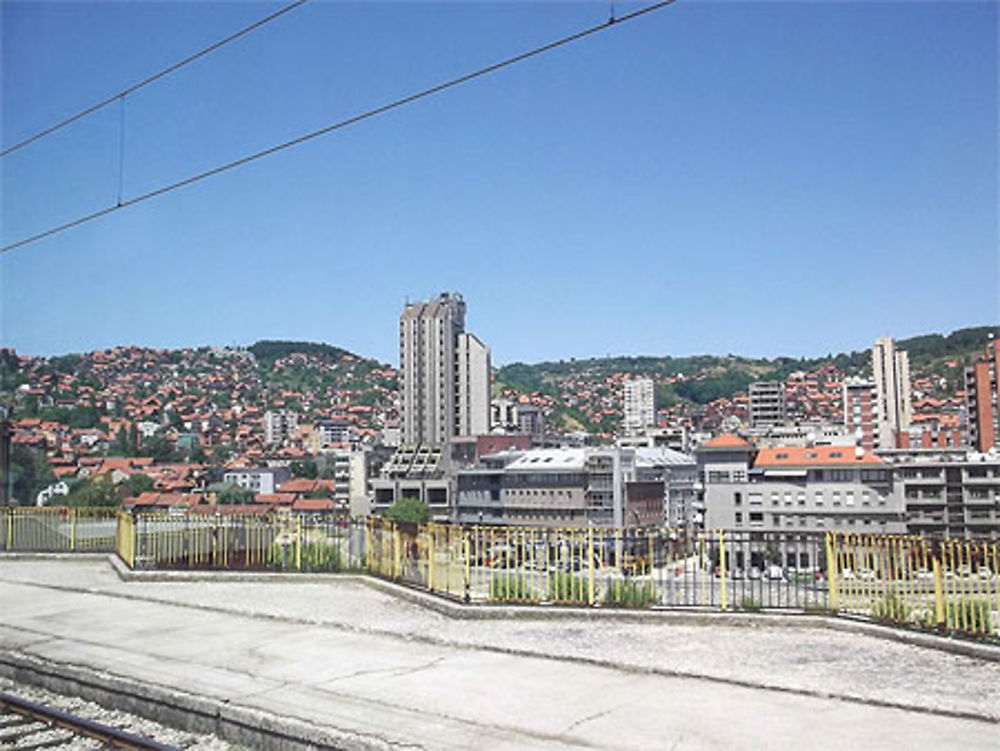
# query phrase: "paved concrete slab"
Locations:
[[340, 655]]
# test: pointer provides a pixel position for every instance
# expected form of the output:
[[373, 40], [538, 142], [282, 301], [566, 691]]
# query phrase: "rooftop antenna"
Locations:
[[611, 17]]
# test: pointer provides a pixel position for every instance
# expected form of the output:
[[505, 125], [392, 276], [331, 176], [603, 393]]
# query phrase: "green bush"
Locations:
[[891, 608], [750, 605], [321, 556], [409, 510], [629, 593], [508, 586], [969, 615], [566, 587]]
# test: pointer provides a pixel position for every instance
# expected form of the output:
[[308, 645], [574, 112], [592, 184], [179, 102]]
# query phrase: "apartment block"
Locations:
[[444, 373], [279, 425], [861, 411], [639, 397], [767, 404], [893, 406], [949, 492], [982, 399]]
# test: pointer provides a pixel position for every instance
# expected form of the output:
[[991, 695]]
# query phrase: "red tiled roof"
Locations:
[[313, 504], [798, 456], [726, 441]]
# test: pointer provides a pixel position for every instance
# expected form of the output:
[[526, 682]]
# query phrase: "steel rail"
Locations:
[[111, 737]]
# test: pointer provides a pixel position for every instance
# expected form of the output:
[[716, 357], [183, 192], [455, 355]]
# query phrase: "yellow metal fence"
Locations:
[[946, 585], [57, 529]]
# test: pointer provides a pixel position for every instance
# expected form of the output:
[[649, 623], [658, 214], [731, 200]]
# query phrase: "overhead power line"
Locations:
[[155, 77], [342, 123]]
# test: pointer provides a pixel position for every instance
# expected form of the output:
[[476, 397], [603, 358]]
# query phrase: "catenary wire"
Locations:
[[155, 77], [340, 124]]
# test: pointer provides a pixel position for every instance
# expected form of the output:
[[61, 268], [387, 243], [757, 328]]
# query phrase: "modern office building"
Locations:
[[797, 489], [767, 404], [982, 399], [444, 373], [639, 405], [893, 407], [574, 487]]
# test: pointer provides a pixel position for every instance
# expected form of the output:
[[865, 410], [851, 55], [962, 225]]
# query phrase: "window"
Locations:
[[802, 499], [774, 498], [836, 497], [739, 517], [756, 518], [865, 498], [788, 498], [737, 499], [819, 497], [755, 499], [849, 498]]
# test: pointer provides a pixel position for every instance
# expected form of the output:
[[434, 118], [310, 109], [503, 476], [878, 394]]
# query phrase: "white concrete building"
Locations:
[[279, 425], [473, 386], [444, 373], [893, 407], [795, 489], [639, 405]]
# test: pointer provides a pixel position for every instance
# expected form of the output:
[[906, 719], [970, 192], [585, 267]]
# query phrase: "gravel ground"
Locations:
[[806, 659], [114, 718]]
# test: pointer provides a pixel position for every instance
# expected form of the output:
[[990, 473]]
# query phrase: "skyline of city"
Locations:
[[836, 157]]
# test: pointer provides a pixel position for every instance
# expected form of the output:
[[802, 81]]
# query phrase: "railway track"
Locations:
[[26, 726]]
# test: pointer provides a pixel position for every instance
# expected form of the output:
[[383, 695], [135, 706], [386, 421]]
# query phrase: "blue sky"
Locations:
[[761, 179]]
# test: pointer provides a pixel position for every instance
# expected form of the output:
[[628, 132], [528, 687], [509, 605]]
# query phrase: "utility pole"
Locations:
[[5, 478]]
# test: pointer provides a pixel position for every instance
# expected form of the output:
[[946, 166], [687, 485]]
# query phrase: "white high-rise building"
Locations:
[[640, 405], [891, 373], [473, 386], [444, 373]]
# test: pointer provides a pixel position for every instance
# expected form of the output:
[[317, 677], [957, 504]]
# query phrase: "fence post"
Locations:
[[298, 543], [467, 567], [723, 589], [430, 558], [832, 574], [939, 610], [72, 529], [10, 529], [590, 558]]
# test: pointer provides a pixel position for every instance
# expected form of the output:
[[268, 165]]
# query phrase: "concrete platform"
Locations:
[[338, 662]]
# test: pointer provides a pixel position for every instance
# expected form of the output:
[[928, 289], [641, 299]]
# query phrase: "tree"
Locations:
[[138, 483], [29, 473], [91, 493], [233, 495], [409, 510], [306, 469]]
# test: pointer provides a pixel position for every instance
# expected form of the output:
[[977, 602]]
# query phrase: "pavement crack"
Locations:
[[588, 718], [393, 672]]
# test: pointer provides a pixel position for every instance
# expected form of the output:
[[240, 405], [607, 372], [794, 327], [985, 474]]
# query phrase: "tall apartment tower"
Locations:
[[640, 405], [891, 373], [859, 410], [444, 372], [767, 404], [982, 400]]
